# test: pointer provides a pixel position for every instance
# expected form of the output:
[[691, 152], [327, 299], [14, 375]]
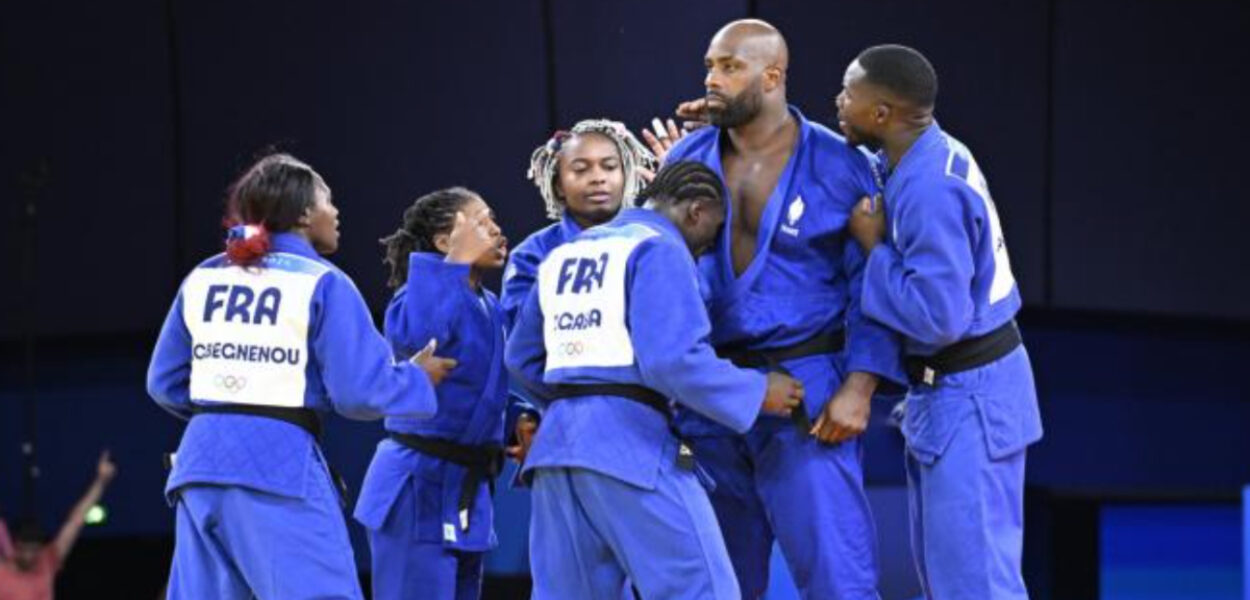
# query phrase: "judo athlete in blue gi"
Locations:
[[584, 175], [782, 283], [261, 342], [942, 279], [613, 331], [426, 499]]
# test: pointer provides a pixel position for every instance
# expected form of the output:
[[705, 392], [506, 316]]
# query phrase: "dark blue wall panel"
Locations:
[[1150, 208], [132, 108], [631, 61], [388, 101], [86, 95]]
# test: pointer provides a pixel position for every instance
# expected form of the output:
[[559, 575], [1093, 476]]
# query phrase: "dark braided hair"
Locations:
[[429, 215], [684, 180]]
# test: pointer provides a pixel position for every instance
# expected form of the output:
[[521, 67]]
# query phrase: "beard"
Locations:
[[740, 109], [858, 137]]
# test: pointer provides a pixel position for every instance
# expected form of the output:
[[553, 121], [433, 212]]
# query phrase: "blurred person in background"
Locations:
[[27, 571]]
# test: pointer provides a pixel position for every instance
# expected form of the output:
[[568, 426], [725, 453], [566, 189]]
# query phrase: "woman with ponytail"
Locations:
[[426, 499], [262, 342]]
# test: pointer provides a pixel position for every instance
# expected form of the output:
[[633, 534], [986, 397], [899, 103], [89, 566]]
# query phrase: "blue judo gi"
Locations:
[[518, 279], [773, 482], [945, 277], [620, 305], [257, 512], [422, 546], [522, 270]]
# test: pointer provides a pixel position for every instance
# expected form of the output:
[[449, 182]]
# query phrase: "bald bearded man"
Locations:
[[782, 282]]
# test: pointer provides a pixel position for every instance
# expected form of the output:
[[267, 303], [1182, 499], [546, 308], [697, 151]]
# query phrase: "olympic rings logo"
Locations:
[[230, 383], [575, 348]]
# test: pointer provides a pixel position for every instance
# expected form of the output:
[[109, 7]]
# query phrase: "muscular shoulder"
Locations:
[[836, 162], [828, 145], [693, 145]]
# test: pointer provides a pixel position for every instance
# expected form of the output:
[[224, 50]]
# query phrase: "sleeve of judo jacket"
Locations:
[[669, 329], [362, 379]]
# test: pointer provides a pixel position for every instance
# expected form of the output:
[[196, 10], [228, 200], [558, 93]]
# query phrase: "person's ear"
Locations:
[[773, 77], [694, 211], [881, 113], [442, 241]]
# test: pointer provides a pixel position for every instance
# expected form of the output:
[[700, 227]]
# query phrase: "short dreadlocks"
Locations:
[[544, 162]]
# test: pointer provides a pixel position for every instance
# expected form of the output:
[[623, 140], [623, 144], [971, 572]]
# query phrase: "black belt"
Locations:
[[964, 355], [482, 462], [304, 418], [824, 343], [771, 358], [640, 394]]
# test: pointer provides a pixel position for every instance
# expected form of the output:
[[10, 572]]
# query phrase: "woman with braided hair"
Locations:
[[612, 336], [584, 175], [426, 499]]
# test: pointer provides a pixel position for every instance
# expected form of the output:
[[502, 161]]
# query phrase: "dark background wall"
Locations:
[[1110, 132]]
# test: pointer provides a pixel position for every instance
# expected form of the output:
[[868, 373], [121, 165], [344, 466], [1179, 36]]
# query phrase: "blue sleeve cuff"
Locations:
[[428, 265]]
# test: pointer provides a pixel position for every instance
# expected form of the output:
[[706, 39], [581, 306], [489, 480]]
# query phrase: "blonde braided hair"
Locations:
[[545, 161]]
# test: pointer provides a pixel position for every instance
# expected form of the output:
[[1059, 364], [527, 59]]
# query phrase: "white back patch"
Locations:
[[249, 334], [582, 294]]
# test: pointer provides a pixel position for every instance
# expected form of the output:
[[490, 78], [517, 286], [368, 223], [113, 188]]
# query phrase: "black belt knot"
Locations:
[[482, 462], [771, 359]]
